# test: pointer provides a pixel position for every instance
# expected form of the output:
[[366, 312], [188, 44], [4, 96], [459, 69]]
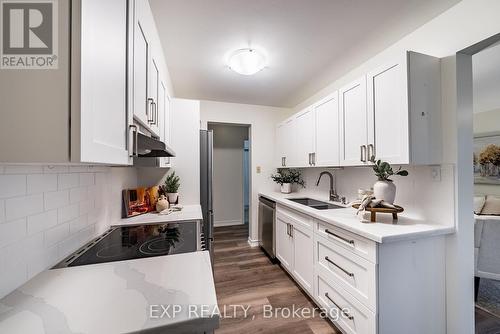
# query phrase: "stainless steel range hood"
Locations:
[[148, 147]]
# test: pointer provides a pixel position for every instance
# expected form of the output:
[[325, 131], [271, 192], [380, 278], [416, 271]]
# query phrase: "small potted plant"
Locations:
[[286, 178], [172, 184], [384, 188]]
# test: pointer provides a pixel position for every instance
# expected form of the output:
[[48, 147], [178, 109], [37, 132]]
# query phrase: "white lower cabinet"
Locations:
[[365, 287], [294, 246]]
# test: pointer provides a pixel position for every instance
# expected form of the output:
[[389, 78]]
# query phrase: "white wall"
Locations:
[[186, 144], [465, 24], [262, 121], [47, 212], [228, 173]]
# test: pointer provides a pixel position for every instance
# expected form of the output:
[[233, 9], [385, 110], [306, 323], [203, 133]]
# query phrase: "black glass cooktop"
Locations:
[[132, 242]]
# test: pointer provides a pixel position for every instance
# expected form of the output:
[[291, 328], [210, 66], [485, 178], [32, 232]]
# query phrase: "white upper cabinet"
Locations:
[[404, 118], [141, 55], [304, 133], [353, 132], [153, 98], [327, 139], [392, 113], [285, 144], [99, 92]]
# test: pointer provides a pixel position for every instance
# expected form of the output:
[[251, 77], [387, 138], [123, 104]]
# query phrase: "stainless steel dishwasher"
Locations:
[[267, 222]]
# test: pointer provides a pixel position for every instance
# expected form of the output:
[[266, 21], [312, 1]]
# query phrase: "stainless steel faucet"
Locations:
[[334, 197]]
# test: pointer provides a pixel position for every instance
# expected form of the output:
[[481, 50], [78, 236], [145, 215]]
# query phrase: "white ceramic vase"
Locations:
[[385, 190], [286, 188], [172, 197]]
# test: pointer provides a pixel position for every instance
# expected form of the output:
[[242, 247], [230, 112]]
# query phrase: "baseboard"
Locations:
[[227, 223], [253, 243]]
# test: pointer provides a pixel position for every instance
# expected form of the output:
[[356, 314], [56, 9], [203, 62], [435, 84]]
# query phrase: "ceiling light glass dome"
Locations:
[[247, 61]]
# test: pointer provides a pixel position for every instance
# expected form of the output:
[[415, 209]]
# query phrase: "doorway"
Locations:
[[478, 226], [486, 160], [231, 174]]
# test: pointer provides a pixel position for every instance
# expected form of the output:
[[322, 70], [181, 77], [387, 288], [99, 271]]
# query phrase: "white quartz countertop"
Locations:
[[116, 297], [188, 213], [384, 230]]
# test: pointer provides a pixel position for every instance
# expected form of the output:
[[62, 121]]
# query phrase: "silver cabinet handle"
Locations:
[[155, 113], [310, 159], [288, 229], [371, 151], [349, 241], [284, 165], [149, 103], [339, 267], [314, 158], [134, 146], [350, 317], [291, 230], [363, 153], [282, 161]]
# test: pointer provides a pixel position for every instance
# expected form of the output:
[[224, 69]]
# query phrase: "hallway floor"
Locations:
[[245, 276]]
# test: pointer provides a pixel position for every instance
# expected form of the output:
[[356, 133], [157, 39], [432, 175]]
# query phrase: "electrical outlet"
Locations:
[[258, 169], [436, 173]]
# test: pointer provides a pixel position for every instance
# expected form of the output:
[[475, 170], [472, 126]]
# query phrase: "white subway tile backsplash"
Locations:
[[78, 224], [38, 183], [86, 206], [2, 210], [45, 214], [56, 199], [42, 221], [12, 231], [86, 179], [13, 271], [75, 241], [68, 213], [79, 169], [44, 259], [23, 206], [55, 169], [68, 181], [78, 194], [23, 169], [12, 185], [56, 234]]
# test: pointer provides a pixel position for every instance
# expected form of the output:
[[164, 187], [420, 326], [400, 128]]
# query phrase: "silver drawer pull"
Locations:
[[351, 242], [350, 317], [336, 265]]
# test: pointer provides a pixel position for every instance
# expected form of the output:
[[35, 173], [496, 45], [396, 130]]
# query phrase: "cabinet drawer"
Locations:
[[294, 217], [353, 317], [353, 273], [361, 246]]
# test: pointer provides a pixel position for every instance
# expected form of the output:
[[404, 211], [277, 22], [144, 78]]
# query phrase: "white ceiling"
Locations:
[[303, 39]]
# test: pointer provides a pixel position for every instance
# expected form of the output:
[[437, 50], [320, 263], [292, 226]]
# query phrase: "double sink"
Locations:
[[315, 204]]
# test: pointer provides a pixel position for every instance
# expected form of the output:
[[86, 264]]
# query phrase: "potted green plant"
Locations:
[[286, 178], [384, 188], [171, 187]]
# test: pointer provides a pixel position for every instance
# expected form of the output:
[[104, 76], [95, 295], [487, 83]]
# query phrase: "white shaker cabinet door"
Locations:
[[305, 134], [388, 126], [284, 245], [103, 79], [327, 152], [353, 139]]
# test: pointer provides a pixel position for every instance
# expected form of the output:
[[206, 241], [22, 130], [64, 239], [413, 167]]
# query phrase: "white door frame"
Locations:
[[460, 246]]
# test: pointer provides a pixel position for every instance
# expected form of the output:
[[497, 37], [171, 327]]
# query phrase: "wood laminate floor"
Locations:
[[486, 322], [245, 276]]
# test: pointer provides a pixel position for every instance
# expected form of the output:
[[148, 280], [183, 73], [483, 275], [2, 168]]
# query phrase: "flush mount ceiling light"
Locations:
[[247, 61]]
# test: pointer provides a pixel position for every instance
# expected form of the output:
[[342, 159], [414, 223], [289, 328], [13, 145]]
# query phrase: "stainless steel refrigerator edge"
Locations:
[[206, 177]]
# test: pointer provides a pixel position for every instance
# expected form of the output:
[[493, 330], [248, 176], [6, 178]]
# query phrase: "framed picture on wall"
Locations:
[[487, 158]]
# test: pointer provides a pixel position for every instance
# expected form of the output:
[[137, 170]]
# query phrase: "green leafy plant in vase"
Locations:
[[171, 187], [286, 178], [384, 188]]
